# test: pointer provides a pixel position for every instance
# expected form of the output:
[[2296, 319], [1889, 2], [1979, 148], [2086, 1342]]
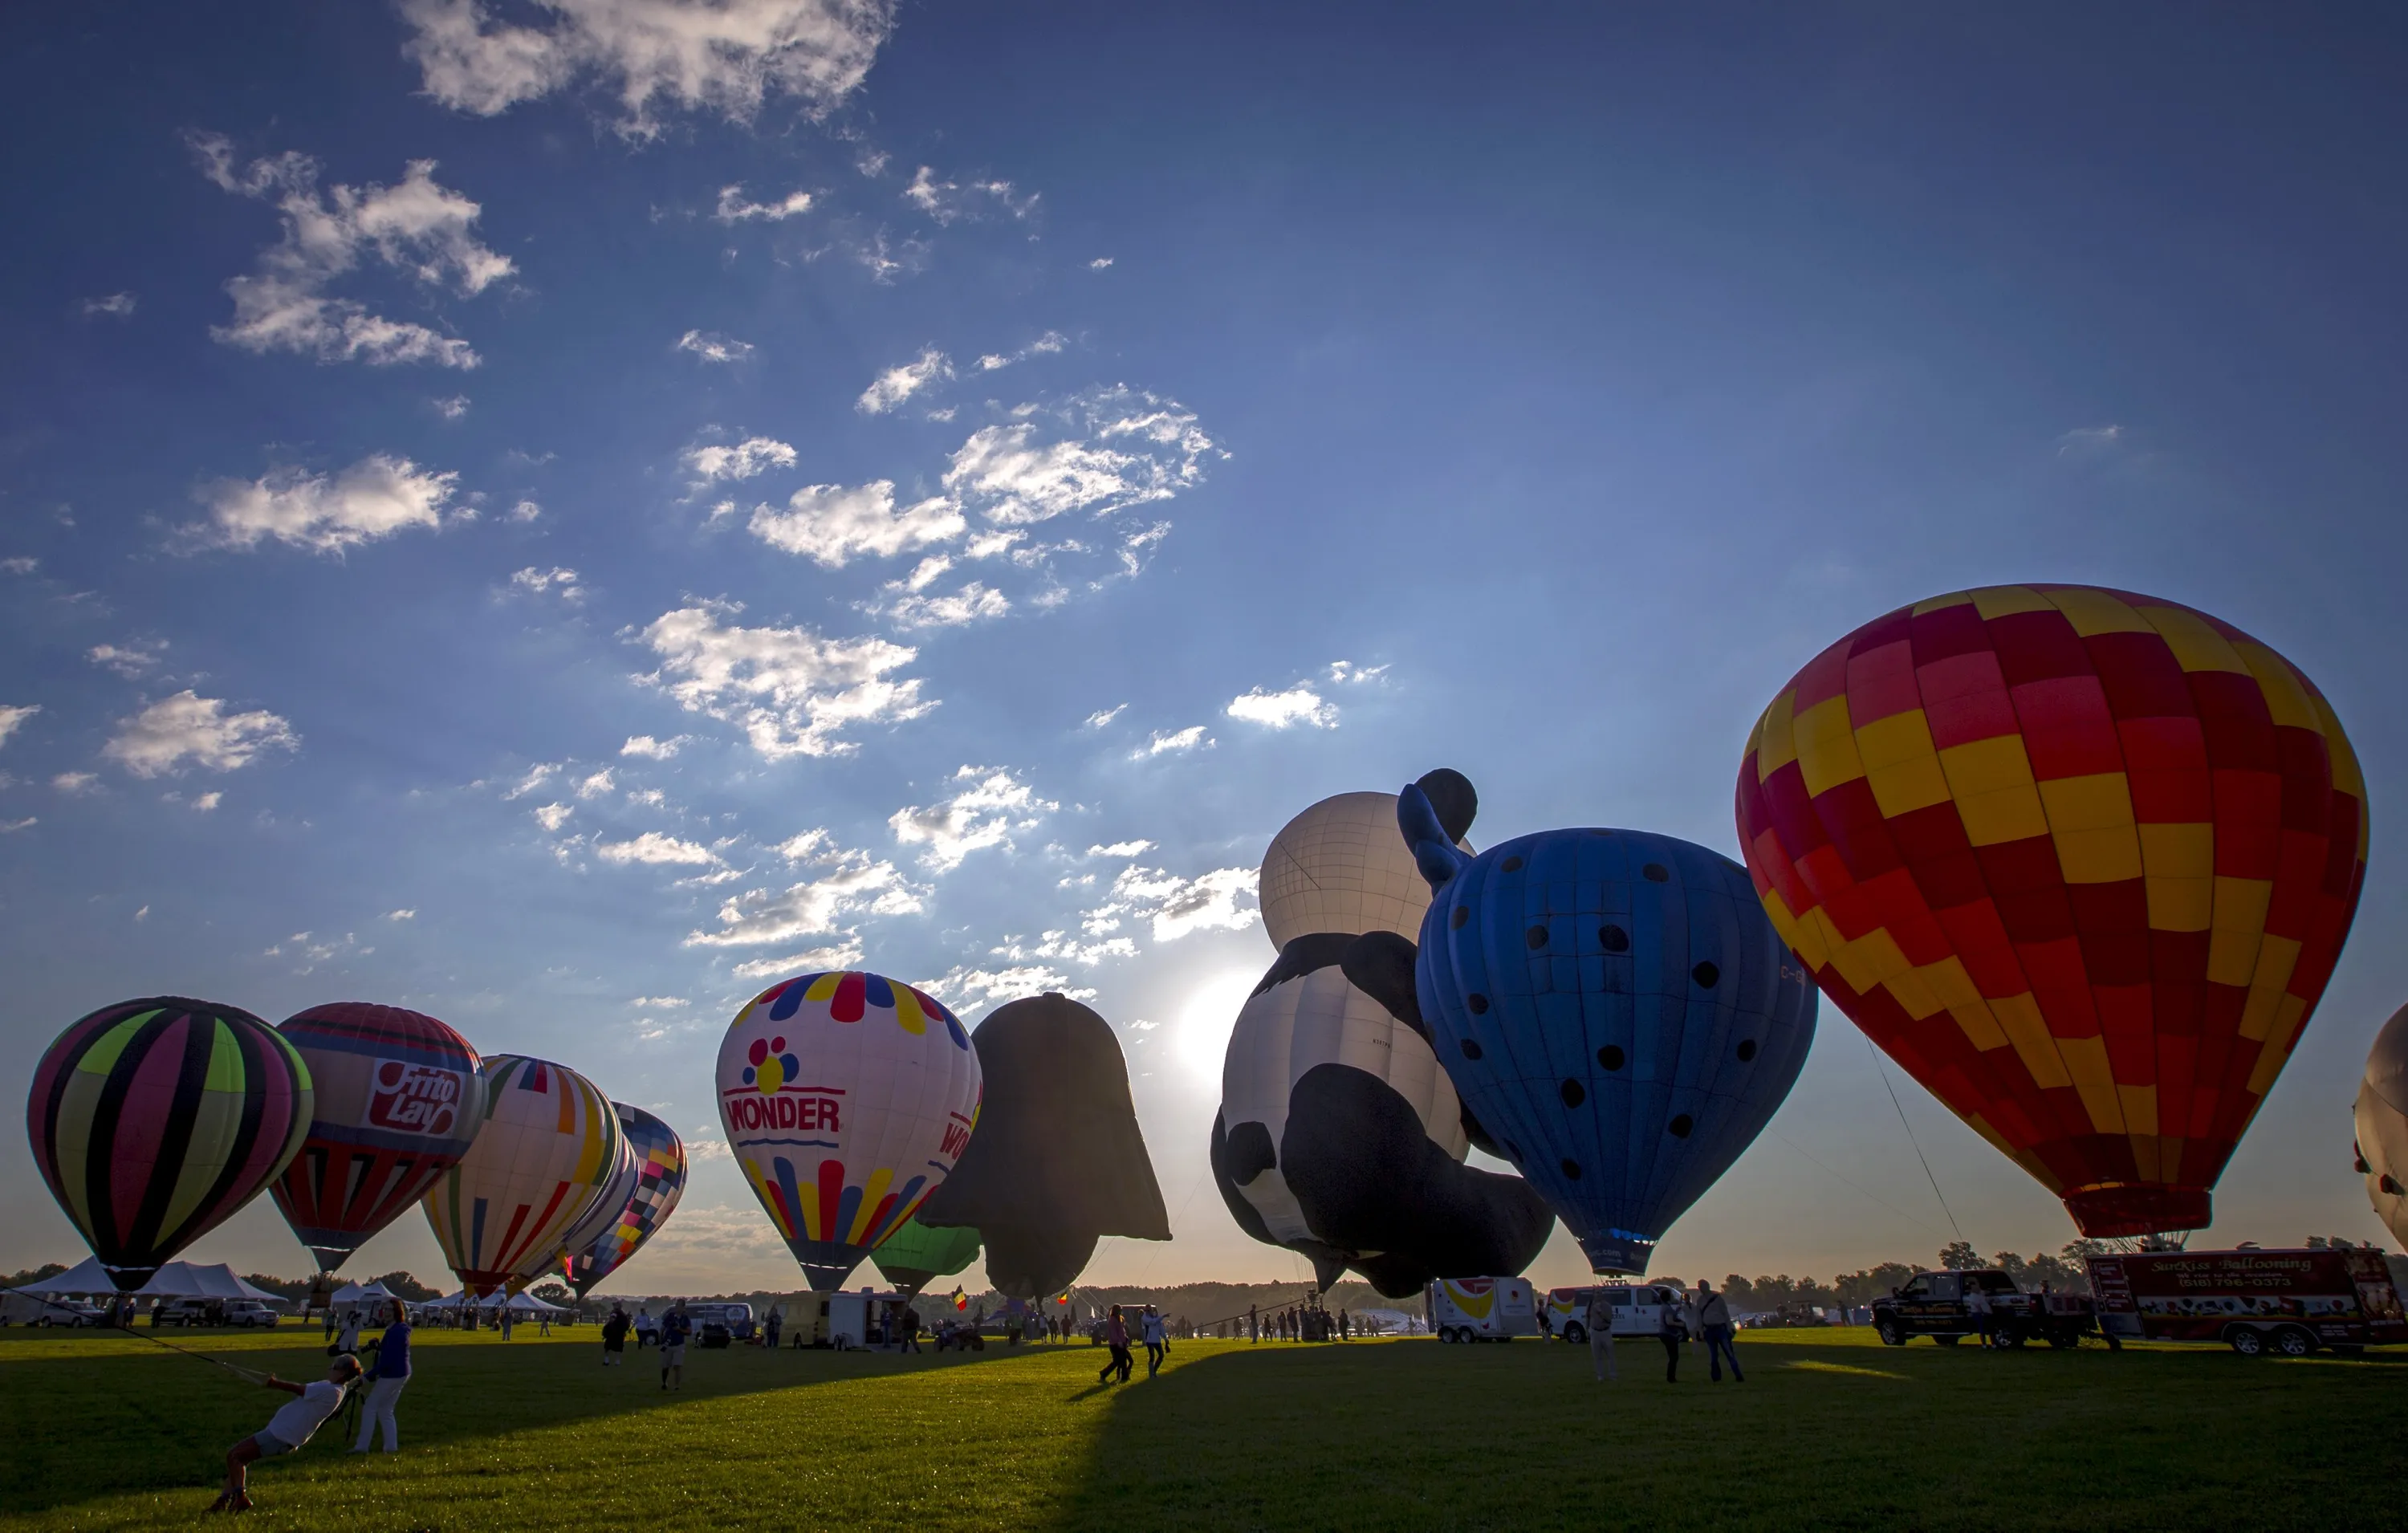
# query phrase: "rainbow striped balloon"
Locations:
[[548, 1147], [660, 1181], [848, 1097], [154, 1119]]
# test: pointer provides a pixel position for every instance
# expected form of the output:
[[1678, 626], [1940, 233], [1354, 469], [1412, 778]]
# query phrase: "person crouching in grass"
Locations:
[[288, 1429]]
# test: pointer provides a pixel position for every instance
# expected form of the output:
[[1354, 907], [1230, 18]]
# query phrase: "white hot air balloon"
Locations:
[[847, 1097], [549, 1144], [2382, 1125], [601, 1212], [1342, 866]]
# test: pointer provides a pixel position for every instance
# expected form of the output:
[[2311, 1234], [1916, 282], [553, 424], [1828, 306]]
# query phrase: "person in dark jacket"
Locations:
[[1673, 1330], [1715, 1329], [387, 1375], [615, 1337], [1117, 1338]]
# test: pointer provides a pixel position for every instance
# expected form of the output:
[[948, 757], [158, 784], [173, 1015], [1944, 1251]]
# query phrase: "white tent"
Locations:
[[353, 1293], [190, 1280], [86, 1277], [524, 1304]]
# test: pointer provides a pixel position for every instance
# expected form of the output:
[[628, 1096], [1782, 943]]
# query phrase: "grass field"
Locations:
[[1831, 1430]]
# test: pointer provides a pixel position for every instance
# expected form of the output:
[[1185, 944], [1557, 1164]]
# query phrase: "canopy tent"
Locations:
[[524, 1304], [190, 1280], [358, 1293], [86, 1277]]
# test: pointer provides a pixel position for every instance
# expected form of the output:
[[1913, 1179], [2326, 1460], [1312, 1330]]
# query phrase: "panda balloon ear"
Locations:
[[1434, 850]]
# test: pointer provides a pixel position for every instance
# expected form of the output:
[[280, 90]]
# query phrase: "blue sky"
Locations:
[[511, 515]]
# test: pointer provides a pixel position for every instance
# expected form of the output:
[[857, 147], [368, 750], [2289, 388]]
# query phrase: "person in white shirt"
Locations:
[[287, 1430], [1600, 1337], [1977, 1306], [1156, 1341]]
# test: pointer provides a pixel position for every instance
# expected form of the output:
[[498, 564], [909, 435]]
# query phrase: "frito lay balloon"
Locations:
[[2381, 1123], [549, 1144], [660, 1181], [847, 1097], [2082, 861], [398, 1103], [152, 1121]]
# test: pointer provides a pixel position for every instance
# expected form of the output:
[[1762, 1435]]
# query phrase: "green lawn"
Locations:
[[1832, 1429]]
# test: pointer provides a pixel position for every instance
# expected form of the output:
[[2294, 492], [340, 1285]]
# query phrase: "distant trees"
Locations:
[[32, 1274], [1959, 1255], [553, 1293]]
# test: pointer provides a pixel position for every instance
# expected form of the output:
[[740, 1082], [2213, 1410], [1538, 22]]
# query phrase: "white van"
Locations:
[[1638, 1308], [1480, 1309]]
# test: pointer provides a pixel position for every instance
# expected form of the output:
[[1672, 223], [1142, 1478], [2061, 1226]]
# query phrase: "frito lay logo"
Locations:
[[775, 1100], [415, 1098]]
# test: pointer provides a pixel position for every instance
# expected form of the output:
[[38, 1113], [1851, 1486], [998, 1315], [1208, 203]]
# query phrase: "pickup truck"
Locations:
[[1934, 1304]]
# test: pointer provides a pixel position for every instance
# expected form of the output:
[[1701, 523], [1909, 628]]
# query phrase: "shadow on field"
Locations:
[[81, 1422], [1409, 1434]]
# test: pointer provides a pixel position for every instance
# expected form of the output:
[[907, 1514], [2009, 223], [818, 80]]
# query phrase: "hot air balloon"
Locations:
[[1058, 1161], [1617, 1011], [398, 1102], [847, 1097], [1339, 867], [2081, 861], [660, 1181], [154, 1119], [550, 1141], [2382, 1125], [599, 1216], [916, 1254]]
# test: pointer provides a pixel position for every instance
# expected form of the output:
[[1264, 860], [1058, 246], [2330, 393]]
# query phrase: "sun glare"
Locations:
[[1205, 1022]]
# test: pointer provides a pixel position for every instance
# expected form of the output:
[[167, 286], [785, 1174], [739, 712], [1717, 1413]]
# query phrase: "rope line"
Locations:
[[1911, 1140]]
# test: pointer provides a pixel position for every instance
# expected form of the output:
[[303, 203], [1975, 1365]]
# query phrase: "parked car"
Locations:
[[251, 1311], [737, 1318], [70, 1312], [1637, 1309], [187, 1312], [2289, 1302]]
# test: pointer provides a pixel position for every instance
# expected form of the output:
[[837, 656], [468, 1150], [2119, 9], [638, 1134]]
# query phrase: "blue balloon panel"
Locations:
[[1617, 1010]]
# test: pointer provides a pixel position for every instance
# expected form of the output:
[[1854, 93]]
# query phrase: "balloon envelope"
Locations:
[[847, 1097], [2082, 861], [599, 1216], [154, 1119], [660, 1182], [1617, 1011], [398, 1100], [2381, 1123], [1339, 866], [548, 1142], [917, 1253]]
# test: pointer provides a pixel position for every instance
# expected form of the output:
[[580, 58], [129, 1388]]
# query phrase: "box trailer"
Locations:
[[1480, 1309], [2289, 1302]]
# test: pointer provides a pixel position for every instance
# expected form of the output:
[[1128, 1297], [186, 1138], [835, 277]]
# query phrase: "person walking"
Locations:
[[1715, 1329], [614, 1339], [674, 1329], [1253, 1324], [1601, 1336], [387, 1378], [1116, 1337], [909, 1325], [1157, 1343], [1672, 1329], [648, 1330]]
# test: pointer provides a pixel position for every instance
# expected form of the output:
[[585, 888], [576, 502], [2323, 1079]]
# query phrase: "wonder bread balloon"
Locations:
[[549, 1143], [1339, 1137], [398, 1103], [2382, 1125], [916, 1254], [1617, 1010], [1057, 1162], [2081, 861], [660, 1182], [1339, 867], [599, 1216], [152, 1121], [847, 1097]]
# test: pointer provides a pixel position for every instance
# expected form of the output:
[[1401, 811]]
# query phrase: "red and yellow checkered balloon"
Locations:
[[2081, 861]]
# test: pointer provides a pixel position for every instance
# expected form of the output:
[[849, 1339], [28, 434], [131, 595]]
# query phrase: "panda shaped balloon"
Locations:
[[1340, 1135]]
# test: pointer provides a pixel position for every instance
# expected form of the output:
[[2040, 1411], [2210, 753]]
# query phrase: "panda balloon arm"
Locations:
[[1381, 965], [1434, 853]]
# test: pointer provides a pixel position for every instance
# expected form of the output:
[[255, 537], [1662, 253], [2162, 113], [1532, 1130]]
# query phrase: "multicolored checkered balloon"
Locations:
[[2082, 861]]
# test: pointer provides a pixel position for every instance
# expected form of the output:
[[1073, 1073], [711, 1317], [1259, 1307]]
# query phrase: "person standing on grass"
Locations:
[[386, 1382], [287, 1430], [1156, 1343], [647, 1329], [1672, 1329], [614, 1339], [1715, 1327], [770, 1327], [1253, 1324], [674, 1329], [349, 1340], [1116, 1337], [1977, 1306], [510, 1317], [1601, 1336], [909, 1326]]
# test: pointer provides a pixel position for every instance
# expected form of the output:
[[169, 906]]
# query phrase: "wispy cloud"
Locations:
[[133, 658], [657, 850], [1103, 716], [968, 989], [1297, 705], [947, 201], [374, 498], [1170, 741], [1346, 673], [752, 456], [12, 717], [901, 381], [1173, 907], [644, 745], [733, 207], [1048, 344], [711, 346], [848, 885], [188, 727], [2089, 442], [831, 523], [792, 691], [117, 305], [990, 805], [555, 582]]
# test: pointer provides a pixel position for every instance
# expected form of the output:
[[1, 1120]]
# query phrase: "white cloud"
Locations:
[[11, 827], [1121, 849], [75, 783], [375, 497], [419, 227], [131, 659], [12, 717], [846, 954], [753, 455], [206, 802], [142, 914], [970, 604], [725, 56], [1044, 345], [1099, 453], [553, 816], [1103, 716], [596, 785], [926, 572], [526, 510], [187, 726], [648, 797], [559, 582], [117, 305], [451, 409], [1100, 263], [669, 1003], [2089, 442], [654, 847], [644, 745], [537, 776], [1347, 673], [991, 805], [967, 989], [1172, 906], [901, 381], [711, 346], [1164, 741], [1298, 704], [829, 523], [735, 209], [850, 883], [401, 916], [20, 563], [1062, 945], [792, 691], [946, 201]]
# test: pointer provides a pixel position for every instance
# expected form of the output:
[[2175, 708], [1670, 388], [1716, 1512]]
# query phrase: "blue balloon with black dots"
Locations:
[[1617, 1010]]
